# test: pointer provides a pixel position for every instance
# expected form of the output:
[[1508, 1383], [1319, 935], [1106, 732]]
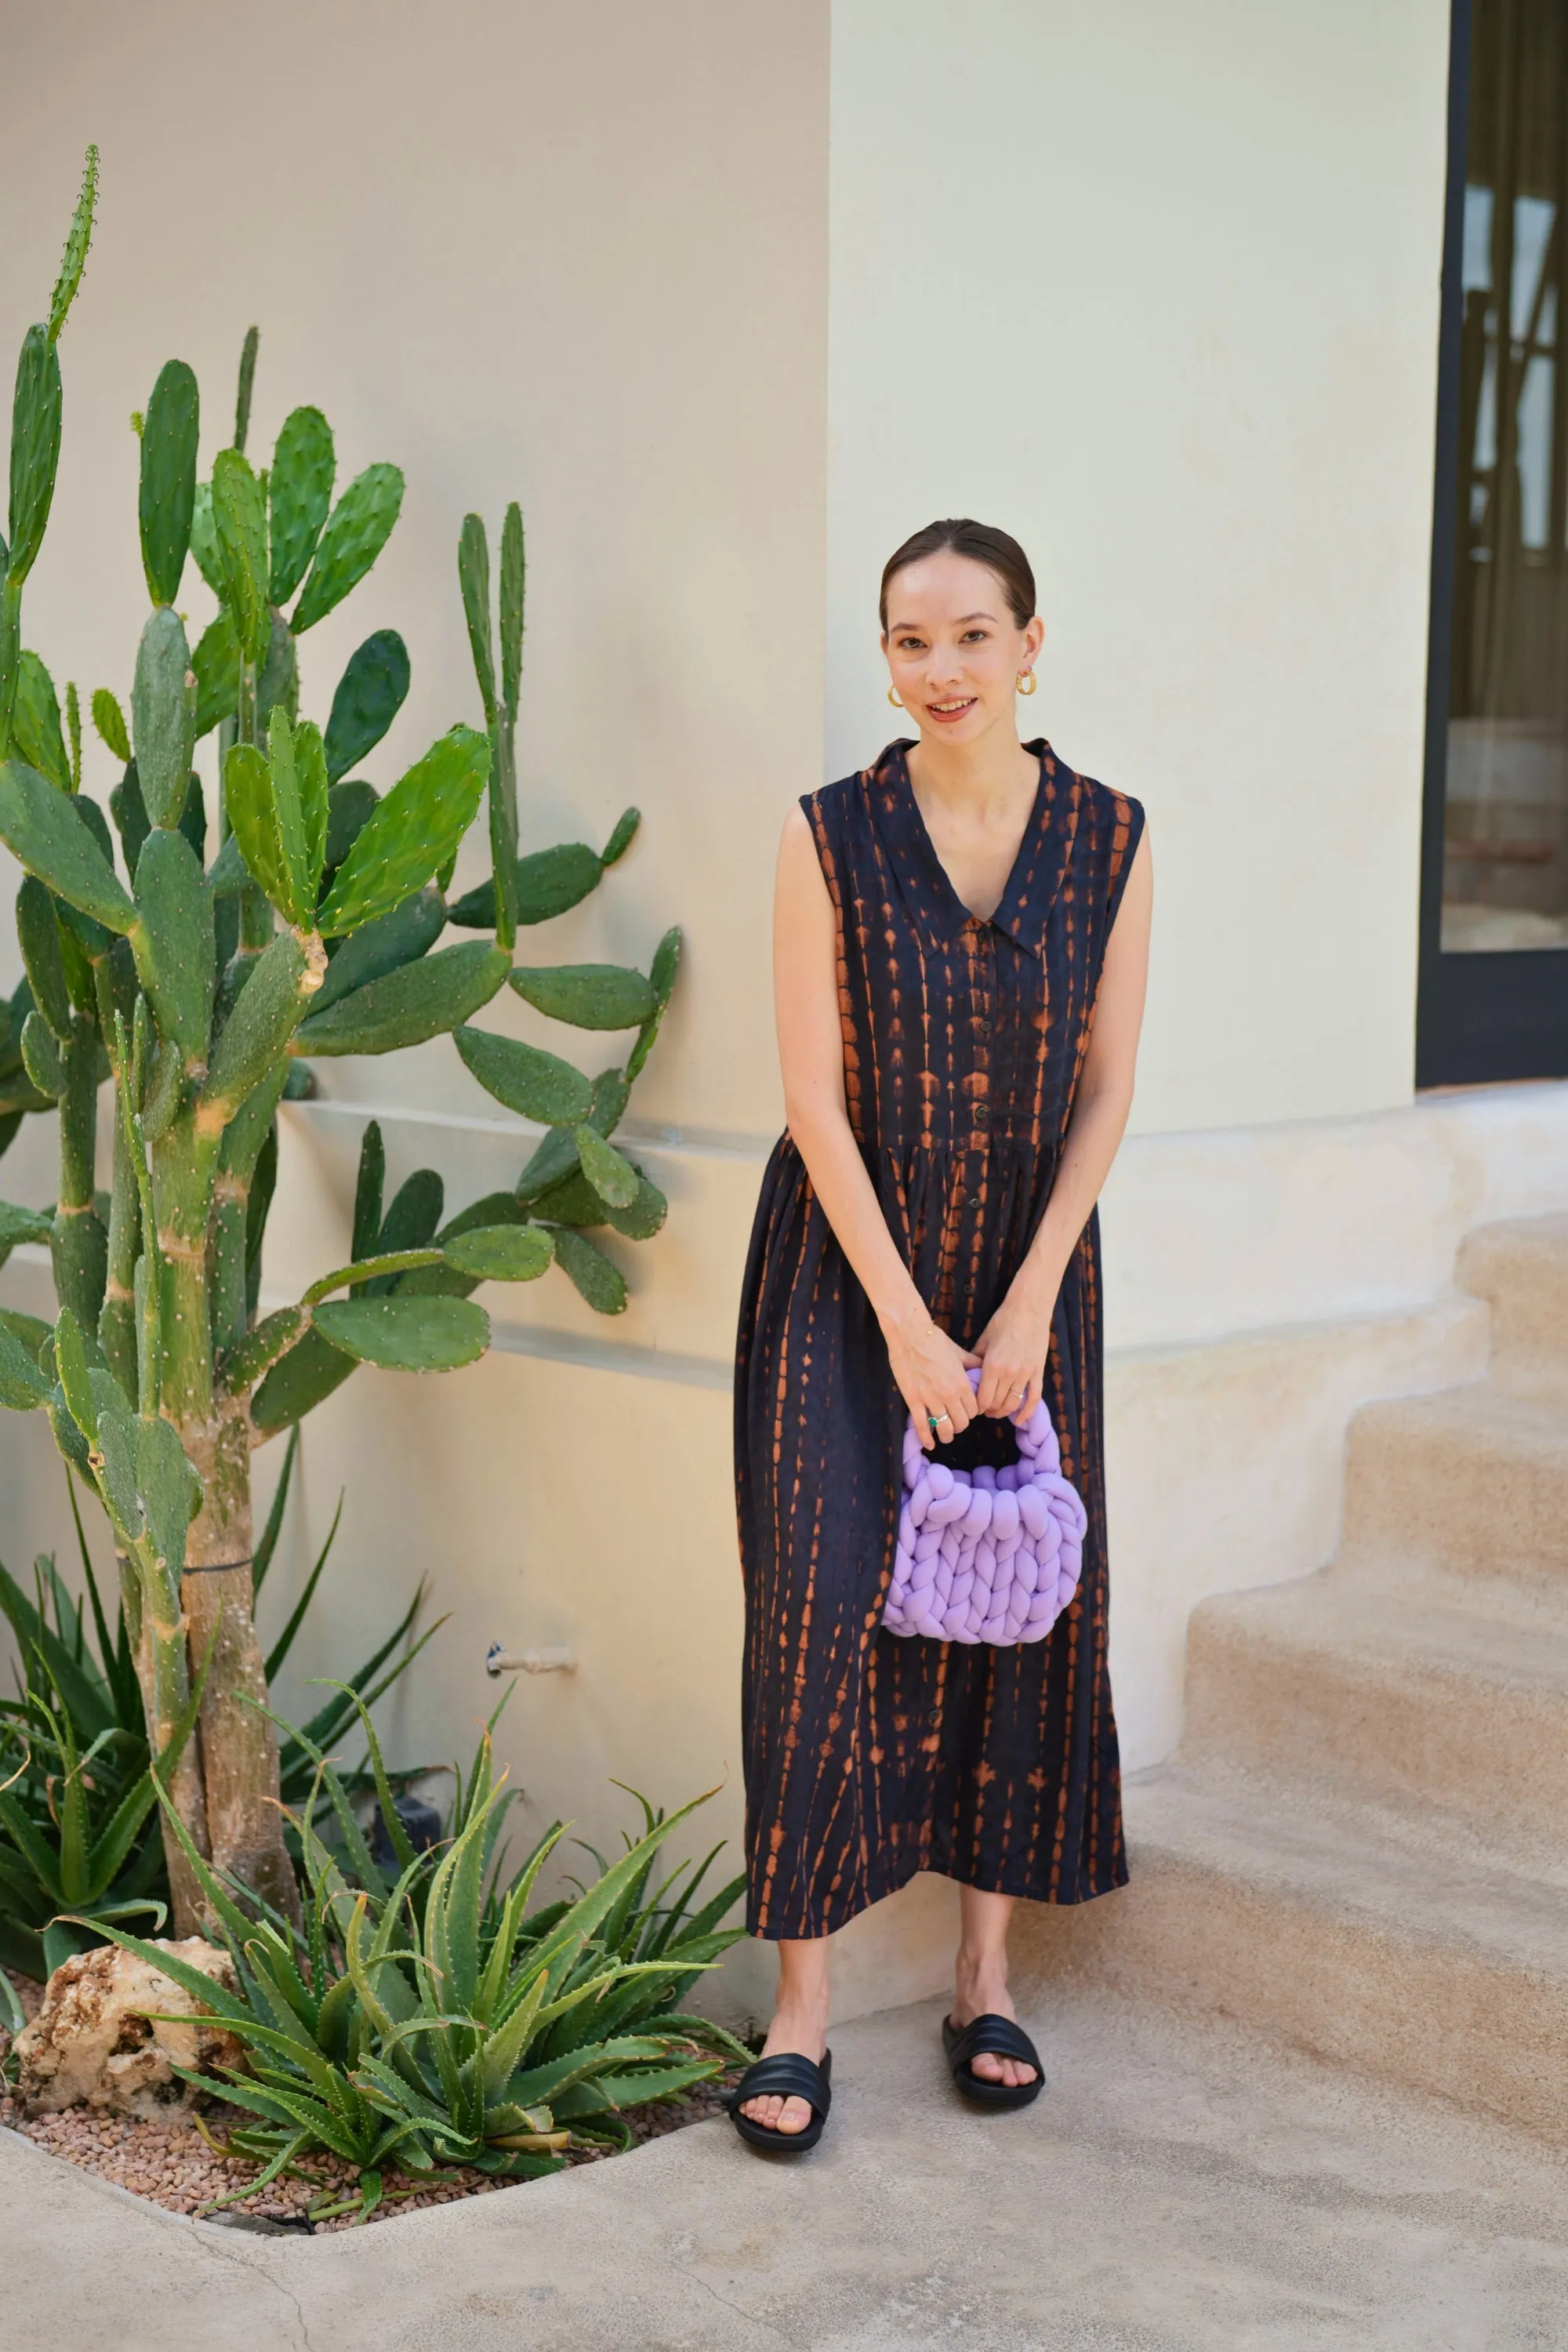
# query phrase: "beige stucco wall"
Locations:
[[578, 257], [1156, 286]]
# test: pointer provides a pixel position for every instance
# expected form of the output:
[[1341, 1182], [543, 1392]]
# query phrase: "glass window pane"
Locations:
[[1505, 881]]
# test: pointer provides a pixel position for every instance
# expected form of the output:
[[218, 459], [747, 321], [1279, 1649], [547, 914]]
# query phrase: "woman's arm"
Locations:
[[1015, 1343], [929, 1368]]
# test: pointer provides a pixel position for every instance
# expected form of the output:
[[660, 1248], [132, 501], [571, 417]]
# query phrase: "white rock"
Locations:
[[93, 2043]]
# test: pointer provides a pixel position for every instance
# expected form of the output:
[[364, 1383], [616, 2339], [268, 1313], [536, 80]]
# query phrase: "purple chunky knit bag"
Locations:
[[987, 1555]]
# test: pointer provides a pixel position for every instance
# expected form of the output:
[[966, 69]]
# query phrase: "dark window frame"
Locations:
[[1489, 1015]]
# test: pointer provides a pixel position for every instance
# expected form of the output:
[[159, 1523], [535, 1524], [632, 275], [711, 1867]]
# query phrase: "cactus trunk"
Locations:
[[238, 1749], [163, 1671]]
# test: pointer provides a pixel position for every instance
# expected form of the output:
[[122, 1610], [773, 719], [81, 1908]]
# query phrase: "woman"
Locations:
[[960, 944]]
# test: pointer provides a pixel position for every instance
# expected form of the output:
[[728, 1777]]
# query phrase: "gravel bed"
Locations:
[[173, 2165]]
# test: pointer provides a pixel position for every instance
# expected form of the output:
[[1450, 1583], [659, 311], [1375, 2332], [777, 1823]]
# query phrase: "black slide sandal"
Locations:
[[1001, 2037], [785, 2075]]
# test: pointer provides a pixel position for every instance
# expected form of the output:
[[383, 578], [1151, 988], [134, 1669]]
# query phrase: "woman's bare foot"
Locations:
[[980, 1978], [800, 2024]]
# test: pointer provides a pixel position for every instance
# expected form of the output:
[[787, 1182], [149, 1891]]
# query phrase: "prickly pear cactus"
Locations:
[[199, 957]]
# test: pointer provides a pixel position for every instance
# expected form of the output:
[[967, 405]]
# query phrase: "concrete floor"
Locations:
[[1176, 2190]]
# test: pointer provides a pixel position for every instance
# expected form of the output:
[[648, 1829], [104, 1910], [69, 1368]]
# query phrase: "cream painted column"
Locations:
[[1155, 287]]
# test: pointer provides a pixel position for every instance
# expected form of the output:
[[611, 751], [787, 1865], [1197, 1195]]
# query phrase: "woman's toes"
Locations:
[[778, 2114], [988, 2067]]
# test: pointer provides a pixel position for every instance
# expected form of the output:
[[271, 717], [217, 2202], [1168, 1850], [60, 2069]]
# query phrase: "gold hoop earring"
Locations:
[[1026, 681], [893, 697]]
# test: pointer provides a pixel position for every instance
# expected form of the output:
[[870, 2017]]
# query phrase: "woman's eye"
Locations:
[[971, 634]]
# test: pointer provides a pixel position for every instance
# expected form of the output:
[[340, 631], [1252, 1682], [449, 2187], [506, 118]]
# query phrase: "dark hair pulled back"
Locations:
[[982, 543]]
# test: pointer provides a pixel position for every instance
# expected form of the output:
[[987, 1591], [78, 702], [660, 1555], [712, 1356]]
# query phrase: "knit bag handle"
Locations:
[[987, 1555]]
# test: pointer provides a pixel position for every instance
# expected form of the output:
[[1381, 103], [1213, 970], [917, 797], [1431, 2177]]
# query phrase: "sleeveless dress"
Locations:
[[869, 1756]]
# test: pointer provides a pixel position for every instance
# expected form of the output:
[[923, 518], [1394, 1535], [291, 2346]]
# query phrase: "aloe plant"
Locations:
[[432, 2020], [201, 985], [78, 1816]]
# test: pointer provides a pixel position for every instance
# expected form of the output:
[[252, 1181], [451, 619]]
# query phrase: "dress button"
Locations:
[[983, 1027], [976, 1200], [981, 1114]]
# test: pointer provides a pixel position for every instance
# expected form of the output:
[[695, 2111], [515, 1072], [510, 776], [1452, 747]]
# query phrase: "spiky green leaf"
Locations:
[[73, 261]]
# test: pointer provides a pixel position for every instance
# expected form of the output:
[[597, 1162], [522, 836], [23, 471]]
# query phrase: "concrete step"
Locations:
[[1472, 1482], [1521, 1269], [1314, 1923], [1420, 1694]]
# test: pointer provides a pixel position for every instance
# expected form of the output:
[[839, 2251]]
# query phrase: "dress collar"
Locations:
[[1038, 870]]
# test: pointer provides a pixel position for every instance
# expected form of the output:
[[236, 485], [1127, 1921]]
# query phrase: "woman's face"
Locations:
[[954, 651]]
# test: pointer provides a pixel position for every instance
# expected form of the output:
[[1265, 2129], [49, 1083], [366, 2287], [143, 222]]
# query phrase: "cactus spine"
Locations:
[[199, 975]]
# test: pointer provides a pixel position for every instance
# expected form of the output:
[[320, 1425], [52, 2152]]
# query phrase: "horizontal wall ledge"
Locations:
[[1208, 1236]]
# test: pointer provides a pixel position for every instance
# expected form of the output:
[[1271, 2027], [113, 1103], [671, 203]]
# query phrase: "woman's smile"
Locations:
[[944, 713]]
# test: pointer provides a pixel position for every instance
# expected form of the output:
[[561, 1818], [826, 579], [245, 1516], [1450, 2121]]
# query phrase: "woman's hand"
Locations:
[[932, 1375], [1012, 1349]]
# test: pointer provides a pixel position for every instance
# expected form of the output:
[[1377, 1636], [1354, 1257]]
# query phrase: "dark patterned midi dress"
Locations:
[[870, 1756]]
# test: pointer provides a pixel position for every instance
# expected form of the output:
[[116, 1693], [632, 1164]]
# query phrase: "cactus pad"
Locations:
[[53, 838], [110, 720], [612, 1177], [502, 1253], [407, 1335], [299, 493], [356, 531], [407, 1007], [533, 1083], [168, 478], [411, 835], [371, 692], [588, 995]]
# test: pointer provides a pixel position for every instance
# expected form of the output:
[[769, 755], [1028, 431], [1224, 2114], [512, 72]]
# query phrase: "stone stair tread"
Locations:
[[1430, 1624], [1346, 1858], [1480, 1411]]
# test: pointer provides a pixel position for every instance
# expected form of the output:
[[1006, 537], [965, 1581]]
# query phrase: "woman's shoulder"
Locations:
[[1115, 820], [853, 793]]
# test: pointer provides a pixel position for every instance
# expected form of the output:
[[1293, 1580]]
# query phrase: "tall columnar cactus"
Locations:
[[199, 987]]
